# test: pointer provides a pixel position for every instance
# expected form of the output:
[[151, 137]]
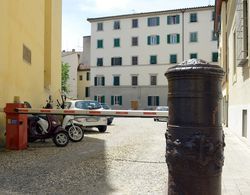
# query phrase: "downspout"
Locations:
[[183, 49]]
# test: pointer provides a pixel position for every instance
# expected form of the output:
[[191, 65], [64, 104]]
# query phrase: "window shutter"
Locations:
[[158, 21], [112, 100], [95, 98], [148, 21], [103, 99], [157, 100], [103, 81], [95, 81], [120, 100], [149, 101], [177, 19], [149, 40], [158, 39], [169, 18], [168, 38], [178, 38]]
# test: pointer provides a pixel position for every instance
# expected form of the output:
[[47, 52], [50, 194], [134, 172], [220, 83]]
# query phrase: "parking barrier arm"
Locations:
[[113, 113]]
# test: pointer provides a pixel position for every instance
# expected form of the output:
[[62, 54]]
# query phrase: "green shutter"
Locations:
[[158, 39], [95, 98], [169, 18], [120, 100], [112, 100], [158, 21], [95, 81], [149, 40], [168, 38], [178, 38], [178, 19], [103, 99], [148, 21], [157, 100], [103, 81], [149, 101]]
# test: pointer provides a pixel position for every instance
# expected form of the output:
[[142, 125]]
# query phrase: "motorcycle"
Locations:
[[45, 127]]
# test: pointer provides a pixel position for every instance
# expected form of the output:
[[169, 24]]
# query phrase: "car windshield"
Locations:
[[87, 105]]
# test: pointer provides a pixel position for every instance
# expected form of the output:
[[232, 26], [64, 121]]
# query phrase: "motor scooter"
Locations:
[[73, 127], [47, 126]]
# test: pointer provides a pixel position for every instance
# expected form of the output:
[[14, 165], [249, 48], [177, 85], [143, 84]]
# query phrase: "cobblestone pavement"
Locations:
[[127, 159]]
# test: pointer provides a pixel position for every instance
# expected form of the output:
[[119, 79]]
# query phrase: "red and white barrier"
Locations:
[[114, 113]]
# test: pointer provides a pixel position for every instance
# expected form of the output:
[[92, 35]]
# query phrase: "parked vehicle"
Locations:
[[107, 107], [161, 108], [85, 121], [45, 127]]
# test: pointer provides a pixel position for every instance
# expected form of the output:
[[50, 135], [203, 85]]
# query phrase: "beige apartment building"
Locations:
[[232, 25]]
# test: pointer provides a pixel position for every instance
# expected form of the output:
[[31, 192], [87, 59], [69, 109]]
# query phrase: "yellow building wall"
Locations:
[[37, 25]]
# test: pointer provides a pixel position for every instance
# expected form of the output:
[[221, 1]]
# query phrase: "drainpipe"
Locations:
[[183, 49]]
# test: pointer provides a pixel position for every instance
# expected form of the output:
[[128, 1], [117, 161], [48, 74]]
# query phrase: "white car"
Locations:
[[161, 108], [85, 121]]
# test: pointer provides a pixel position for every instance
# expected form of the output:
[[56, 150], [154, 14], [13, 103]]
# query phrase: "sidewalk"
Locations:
[[236, 169]]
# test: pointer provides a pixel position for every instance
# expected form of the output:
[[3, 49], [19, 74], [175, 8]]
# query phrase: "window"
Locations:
[[153, 79], [116, 25], [99, 43], [153, 59], [116, 80], [193, 17], [173, 38], [116, 42], [153, 40], [153, 100], [154, 21], [135, 23], [116, 61], [99, 81], [215, 57], [134, 80], [100, 26], [193, 56], [134, 60], [116, 100], [213, 15], [173, 59], [193, 37], [88, 76], [214, 36], [134, 41], [80, 77], [173, 19], [99, 98], [86, 91], [99, 62]]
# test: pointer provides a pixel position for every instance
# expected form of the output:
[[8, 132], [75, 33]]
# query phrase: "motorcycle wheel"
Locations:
[[75, 133], [61, 139]]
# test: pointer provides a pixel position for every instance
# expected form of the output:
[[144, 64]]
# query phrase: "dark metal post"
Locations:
[[194, 138]]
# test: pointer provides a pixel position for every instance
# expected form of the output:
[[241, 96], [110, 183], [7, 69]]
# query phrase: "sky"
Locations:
[[76, 12]]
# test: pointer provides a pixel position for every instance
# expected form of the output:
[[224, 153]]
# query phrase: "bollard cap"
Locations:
[[195, 66]]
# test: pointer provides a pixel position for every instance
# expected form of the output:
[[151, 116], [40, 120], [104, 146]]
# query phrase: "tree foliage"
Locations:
[[65, 77]]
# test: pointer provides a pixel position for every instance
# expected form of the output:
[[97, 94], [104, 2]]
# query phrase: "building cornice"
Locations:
[[145, 14]]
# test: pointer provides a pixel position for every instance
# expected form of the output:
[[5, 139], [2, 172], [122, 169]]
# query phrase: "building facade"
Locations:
[[130, 53], [232, 25], [83, 71], [30, 65], [72, 58]]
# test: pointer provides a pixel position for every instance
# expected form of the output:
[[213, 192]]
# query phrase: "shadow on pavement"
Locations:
[[79, 168]]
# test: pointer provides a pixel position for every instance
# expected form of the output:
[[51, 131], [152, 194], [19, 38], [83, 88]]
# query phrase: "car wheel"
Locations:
[[75, 133], [102, 129], [61, 139]]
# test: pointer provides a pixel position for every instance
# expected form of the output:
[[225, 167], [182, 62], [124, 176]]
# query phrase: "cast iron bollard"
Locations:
[[194, 138]]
